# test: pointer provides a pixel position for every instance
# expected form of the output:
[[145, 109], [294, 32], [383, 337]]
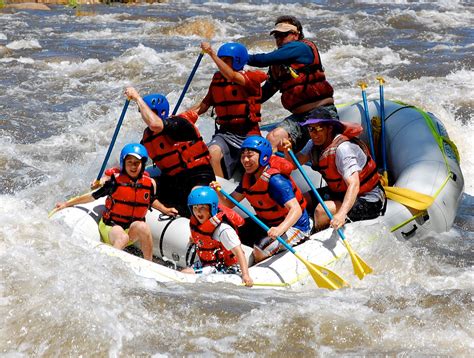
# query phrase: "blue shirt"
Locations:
[[281, 190], [289, 53]]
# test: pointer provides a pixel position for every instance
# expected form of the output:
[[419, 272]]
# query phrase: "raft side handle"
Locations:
[[409, 234], [454, 176], [162, 236], [191, 254]]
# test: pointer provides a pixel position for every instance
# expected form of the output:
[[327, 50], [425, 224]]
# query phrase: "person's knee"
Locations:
[[258, 255], [265, 248], [319, 211], [118, 237], [139, 227], [321, 220], [276, 136], [117, 232]]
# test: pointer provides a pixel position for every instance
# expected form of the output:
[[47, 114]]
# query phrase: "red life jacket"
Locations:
[[267, 209], [368, 176], [212, 252], [236, 111], [130, 201], [174, 157], [310, 85]]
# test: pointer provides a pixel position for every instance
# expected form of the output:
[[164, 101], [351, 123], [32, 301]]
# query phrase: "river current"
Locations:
[[62, 76]]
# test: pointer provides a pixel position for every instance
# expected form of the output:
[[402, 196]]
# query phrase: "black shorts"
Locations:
[[250, 233], [173, 190]]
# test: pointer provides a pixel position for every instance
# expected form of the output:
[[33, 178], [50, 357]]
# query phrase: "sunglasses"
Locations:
[[281, 35], [315, 129]]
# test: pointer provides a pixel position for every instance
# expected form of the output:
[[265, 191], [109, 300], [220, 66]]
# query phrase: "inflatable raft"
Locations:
[[426, 185]]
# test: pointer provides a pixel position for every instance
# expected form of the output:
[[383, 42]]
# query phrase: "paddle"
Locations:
[[188, 82], [408, 197], [382, 131], [323, 277], [112, 143], [363, 86], [360, 267]]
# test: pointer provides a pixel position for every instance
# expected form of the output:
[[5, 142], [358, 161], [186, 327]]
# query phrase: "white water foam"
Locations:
[[24, 44]]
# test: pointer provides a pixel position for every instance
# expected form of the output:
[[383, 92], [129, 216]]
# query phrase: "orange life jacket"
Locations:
[[212, 252], [130, 201], [267, 209], [173, 157], [236, 111], [310, 85], [368, 176]]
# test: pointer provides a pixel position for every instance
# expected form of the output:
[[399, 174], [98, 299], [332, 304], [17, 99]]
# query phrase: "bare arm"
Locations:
[[237, 196], [224, 201], [227, 71], [151, 119], [244, 267], [158, 205], [302, 158], [83, 199], [353, 184], [200, 108], [294, 213]]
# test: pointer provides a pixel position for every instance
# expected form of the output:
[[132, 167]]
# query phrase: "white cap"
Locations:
[[284, 27]]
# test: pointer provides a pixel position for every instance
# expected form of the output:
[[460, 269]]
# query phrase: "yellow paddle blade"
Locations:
[[409, 197], [323, 277], [361, 268]]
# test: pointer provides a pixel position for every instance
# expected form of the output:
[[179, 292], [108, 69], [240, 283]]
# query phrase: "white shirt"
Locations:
[[350, 158], [226, 234]]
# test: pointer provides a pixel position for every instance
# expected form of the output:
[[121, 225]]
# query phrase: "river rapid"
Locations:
[[62, 78]]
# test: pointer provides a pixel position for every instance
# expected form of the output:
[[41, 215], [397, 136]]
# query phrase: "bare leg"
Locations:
[[118, 237], [321, 220], [216, 157], [276, 136], [189, 270], [140, 231], [258, 255]]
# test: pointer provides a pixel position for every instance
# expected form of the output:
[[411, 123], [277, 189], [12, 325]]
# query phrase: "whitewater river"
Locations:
[[61, 83]]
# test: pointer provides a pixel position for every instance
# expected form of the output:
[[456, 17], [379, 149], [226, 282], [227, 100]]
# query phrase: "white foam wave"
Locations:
[[3, 36], [97, 34], [24, 60], [446, 4], [66, 67], [445, 47], [24, 44], [144, 54], [438, 19], [432, 19], [354, 60]]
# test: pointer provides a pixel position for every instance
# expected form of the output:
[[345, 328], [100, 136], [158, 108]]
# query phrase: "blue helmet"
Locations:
[[203, 195], [135, 149], [158, 104], [260, 145], [237, 51]]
